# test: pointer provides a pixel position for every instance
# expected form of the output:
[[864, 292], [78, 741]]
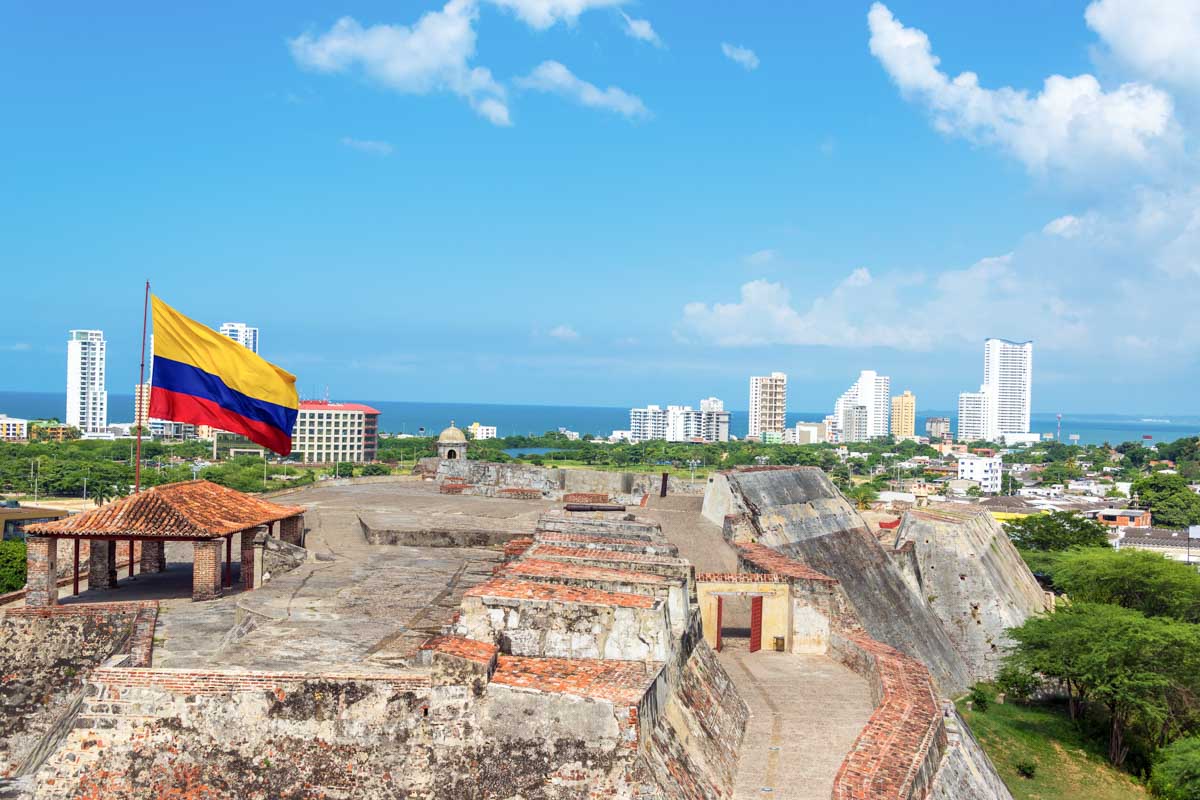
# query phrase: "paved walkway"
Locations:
[[805, 710], [805, 713]]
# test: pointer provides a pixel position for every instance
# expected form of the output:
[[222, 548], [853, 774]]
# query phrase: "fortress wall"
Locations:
[[898, 752], [973, 578], [262, 735], [45, 655], [690, 748], [800, 513], [490, 479]]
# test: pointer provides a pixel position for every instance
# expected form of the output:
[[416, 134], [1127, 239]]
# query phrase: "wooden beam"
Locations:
[[75, 580]]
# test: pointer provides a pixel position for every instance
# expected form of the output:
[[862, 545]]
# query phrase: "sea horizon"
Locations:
[[513, 419]]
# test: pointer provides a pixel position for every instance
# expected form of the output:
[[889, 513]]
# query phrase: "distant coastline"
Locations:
[[514, 419]]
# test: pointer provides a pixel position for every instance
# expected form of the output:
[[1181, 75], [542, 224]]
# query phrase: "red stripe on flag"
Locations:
[[179, 407]]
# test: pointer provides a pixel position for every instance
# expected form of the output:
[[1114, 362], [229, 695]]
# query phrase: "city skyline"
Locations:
[[334, 181]]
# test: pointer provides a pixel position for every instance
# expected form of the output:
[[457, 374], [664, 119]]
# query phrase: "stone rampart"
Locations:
[[974, 579], [46, 654], [800, 513], [493, 479]]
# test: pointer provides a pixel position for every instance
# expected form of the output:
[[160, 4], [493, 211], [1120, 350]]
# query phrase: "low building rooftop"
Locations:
[[764, 558], [540, 568]]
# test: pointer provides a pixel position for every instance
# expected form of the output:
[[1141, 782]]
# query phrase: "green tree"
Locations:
[[1058, 530], [1147, 582], [12, 566], [1169, 499], [376, 469], [1176, 773], [1141, 670], [863, 495]]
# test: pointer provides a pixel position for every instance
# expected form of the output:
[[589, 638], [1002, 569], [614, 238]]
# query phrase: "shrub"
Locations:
[[1026, 767], [1016, 683], [1176, 773], [376, 469], [980, 697], [12, 566]]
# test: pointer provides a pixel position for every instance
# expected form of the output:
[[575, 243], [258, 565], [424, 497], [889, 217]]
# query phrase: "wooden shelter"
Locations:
[[197, 511]]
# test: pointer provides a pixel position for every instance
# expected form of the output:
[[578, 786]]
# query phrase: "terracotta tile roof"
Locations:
[[764, 558], [587, 538], [540, 568], [621, 682], [555, 593], [470, 649], [187, 510]]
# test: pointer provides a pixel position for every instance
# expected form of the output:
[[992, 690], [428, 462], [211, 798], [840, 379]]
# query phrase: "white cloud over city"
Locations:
[[435, 54], [1073, 124], [555, 78], [742, 56]]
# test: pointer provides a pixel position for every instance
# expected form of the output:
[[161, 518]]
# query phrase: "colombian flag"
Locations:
[[204, 378]]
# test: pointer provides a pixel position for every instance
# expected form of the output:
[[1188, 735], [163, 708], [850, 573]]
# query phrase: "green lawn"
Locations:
[[1069, 766]]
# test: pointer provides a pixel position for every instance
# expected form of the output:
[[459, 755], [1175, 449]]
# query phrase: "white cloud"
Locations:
[[1157, 38], [1144, 251], [551, 76], [641, 29], [740, 55], [369, 146], [432, 55], [542, 14], [1072, 124], [1066, 226], [760, 257], [564, 332]]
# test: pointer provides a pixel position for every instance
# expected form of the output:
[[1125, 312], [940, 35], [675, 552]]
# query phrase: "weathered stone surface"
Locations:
[[800, 513], [977, 583]]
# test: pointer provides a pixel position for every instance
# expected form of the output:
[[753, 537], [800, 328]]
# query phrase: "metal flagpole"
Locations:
[[137, 471]]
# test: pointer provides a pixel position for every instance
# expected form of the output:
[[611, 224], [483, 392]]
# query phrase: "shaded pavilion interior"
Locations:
[[201, 512]]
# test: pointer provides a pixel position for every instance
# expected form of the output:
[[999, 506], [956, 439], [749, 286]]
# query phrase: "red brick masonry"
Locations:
[[621, 682], [897, 752], [554, 593], [585, 538], [585, 497], [739, 577], [182, 681], [607, 555], [141, 638], [470, 649], [764, 559], [536, 567]]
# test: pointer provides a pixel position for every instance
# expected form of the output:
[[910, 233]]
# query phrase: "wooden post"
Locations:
[[131, 558], [663, 491], [75, 580], [229, 561]]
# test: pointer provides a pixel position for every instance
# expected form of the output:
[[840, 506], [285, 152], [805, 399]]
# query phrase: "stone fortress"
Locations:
[[502, 631]]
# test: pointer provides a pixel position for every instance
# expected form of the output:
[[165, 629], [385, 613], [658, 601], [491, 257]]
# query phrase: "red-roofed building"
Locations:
[[327, 432]]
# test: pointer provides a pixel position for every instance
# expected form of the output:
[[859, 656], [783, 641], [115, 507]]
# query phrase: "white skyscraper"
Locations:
[[768, 404], [1002, 404], [977, 415], [864, 411], [1008, 372], [87, 400], [680, 423], [241, 333]]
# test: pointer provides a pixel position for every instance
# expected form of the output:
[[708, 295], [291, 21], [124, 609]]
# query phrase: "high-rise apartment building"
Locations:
[[864, 410], [87, 399], [241, 333], [904, 415], [1008, 370], [977, 416], [768, 404], [937, 427], [680, 423], [1004, 398], [327, 432], [141, 404]]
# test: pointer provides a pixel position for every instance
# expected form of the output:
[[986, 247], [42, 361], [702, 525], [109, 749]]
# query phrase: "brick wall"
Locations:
[[896, 756], [291, 530], [41, 571], [206, 569]]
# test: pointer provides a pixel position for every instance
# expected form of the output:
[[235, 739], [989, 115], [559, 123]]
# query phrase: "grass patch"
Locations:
[[1066, 763]]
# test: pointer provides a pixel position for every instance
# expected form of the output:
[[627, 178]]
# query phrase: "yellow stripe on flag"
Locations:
[[184, 340]]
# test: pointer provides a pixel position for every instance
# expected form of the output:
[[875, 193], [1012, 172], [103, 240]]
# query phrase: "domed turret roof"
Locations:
[[451, 435]]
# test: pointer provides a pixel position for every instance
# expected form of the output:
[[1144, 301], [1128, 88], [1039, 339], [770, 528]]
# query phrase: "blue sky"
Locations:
[[542, 201]]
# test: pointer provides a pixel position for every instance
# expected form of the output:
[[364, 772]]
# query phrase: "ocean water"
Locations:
[[510, 420]]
